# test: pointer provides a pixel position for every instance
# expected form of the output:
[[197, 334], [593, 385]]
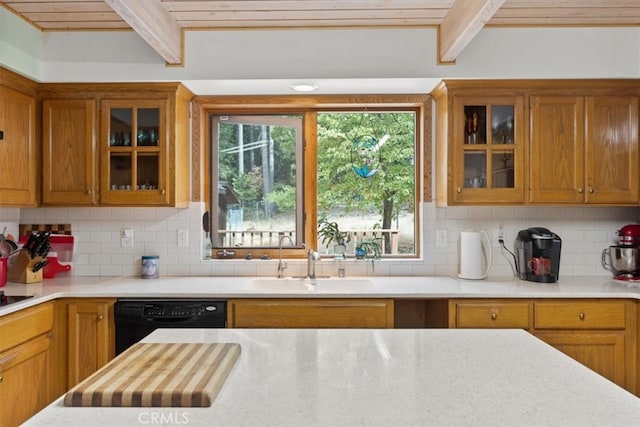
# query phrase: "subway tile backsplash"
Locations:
[[585, 232]]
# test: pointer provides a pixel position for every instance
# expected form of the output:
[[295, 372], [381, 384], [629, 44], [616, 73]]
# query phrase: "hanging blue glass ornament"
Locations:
[[365, 155]]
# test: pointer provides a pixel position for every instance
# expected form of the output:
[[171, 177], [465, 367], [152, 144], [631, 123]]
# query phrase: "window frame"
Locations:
[[308, 106]]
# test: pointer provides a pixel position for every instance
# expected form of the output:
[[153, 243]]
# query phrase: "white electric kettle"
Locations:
[[474, 261]]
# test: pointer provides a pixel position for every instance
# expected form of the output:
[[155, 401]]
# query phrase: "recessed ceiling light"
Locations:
[[304, 87]]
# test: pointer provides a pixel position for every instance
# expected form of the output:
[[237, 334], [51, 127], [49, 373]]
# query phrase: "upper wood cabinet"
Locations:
[[69, 160], [537, 142], [584, 149], [480, 144], [18, 143], [116, 144], [134, 151]]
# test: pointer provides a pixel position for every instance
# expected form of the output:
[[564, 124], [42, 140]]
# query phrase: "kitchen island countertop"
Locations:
[[431, 377], [351, 287]]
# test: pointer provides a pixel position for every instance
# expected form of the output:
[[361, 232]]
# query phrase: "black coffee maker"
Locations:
[[538, 255]]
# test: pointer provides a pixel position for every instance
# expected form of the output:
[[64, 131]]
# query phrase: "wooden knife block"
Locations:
[[21, 269]]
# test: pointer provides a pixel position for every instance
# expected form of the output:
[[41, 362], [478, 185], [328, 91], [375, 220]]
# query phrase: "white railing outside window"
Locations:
[[270, 238]]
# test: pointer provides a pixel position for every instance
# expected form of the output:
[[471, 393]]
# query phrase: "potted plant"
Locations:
[[329, 233], [369, 248]]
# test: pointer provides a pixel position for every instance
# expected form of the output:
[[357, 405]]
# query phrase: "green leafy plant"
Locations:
[[369, 248], [329, 232]]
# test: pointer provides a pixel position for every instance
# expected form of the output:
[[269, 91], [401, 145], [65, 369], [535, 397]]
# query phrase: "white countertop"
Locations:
[[338, 377], [350, 287]]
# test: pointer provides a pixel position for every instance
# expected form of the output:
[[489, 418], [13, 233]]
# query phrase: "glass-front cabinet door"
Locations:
[[134, 152], [488, 141]]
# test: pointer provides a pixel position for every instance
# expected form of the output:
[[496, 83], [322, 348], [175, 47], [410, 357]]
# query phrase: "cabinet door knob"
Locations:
[[591, 190], [494, 315], [459, 190], [89, 192], [580, 190], [1, 378], [581, 316], [100, 317], [162, 191]]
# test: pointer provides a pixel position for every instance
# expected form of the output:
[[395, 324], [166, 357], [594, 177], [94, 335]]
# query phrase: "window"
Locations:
[[366, 177], [257, 179], [280, 170]]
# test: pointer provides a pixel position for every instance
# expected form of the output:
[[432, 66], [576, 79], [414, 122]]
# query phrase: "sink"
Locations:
[[326, 284]]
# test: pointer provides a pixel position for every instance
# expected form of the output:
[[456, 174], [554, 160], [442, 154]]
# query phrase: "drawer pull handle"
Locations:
[[581, 316], [494, 316]]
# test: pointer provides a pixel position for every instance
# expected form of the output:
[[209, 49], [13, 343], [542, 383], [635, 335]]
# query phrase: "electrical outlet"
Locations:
[[183, 238], [499, 234], [126, 238], [441, 238]]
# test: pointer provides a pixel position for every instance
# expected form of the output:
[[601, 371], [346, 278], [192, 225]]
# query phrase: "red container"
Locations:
[[3, 271], [62, 244], [54, 267]]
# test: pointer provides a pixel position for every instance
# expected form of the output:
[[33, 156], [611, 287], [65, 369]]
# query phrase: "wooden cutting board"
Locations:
[[159, 374]]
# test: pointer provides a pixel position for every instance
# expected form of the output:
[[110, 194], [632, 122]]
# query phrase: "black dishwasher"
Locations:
[[137, 318]]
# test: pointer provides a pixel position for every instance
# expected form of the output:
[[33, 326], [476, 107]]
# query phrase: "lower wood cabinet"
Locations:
[[597, 333], [24, 363], [310, 313], [91, 337], [603, 352], [601, 334]]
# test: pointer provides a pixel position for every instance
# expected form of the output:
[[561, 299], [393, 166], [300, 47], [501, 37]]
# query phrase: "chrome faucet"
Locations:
[[312, 257], [282, 265]]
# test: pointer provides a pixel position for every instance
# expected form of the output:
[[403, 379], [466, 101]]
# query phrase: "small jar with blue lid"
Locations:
[[150, 268]]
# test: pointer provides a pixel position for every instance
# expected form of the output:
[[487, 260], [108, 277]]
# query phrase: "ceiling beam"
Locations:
[[463, 22], [154, 24]]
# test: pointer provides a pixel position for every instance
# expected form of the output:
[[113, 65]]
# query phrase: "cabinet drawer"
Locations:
[[580, 315], [493, 315], [320, 313], [25, 324]]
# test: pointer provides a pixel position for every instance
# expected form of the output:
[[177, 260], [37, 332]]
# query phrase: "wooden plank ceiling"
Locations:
[[162, 22]]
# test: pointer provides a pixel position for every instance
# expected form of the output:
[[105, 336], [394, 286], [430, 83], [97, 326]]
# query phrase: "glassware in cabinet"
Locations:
[[488, 143], [134, 156], [148, 127]]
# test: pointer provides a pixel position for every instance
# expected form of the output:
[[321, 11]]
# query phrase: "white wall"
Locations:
[[382, 53], [20, 45], [366, 60]]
